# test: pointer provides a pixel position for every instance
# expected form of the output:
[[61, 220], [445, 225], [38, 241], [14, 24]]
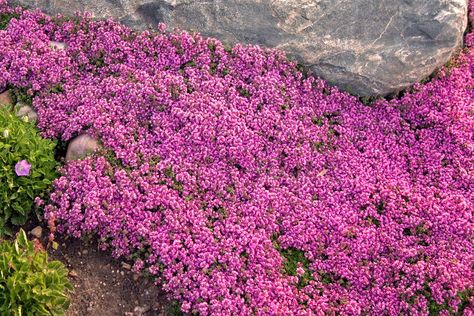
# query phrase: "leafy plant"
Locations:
[[27, 168], [30, 284], [295, 258], [174, 309], [5, 19], [20, 94]]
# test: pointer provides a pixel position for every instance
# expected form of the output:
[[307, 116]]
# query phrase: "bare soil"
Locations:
[[104, 286]]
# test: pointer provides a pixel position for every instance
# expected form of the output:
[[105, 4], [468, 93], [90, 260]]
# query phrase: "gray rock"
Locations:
[[24, 110], [369, 47], [81, 146]]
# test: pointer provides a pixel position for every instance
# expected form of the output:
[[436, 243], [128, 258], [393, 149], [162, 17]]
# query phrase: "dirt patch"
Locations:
[[104, 286]]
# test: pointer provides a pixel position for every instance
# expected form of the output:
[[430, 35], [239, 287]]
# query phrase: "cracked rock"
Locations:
[[367, 47]]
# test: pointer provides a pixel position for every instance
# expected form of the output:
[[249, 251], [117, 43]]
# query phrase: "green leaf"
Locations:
[[17, 248], [30, 284], [22, 238]]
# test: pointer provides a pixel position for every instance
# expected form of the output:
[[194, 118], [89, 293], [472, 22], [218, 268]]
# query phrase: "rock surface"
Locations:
[[37, 232], [368, 47], [23, 110], [57, 45], [80, 147], [6, 98]]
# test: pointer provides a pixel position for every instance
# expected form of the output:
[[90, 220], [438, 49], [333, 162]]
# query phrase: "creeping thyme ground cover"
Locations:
[[245, 188]]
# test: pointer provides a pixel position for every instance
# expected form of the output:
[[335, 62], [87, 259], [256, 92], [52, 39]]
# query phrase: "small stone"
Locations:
[[141, 310], [37, 232], [81, 146], [122, 273], [6, 98], [135, 277], [57, 45], [73, 274], [323, 172], [126, 266], [85, 252], [23, 110]]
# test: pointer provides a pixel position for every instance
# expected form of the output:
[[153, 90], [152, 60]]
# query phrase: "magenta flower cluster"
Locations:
[[217, 162]]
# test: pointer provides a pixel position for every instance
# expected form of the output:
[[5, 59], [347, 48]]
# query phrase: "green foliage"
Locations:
[[465, 297], [435, 309], [369, 100], [294, 258], [99, 61], [29, 283], [21, 95], [5, 19], [174, 309], [19, 140], [176, 185], [245, 93]]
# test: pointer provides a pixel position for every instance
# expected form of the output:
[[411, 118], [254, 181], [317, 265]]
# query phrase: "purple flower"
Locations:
[[22, 168]]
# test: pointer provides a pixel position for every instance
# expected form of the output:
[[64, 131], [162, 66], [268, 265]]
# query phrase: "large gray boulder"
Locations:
[[368, 47]]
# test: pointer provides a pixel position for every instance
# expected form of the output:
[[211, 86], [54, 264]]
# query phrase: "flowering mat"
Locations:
[[245, 188]]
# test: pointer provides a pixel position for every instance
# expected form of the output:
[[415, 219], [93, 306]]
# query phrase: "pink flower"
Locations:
[[22, 168], [216, 166], [39, 201], [300, 271], [138, 266]]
